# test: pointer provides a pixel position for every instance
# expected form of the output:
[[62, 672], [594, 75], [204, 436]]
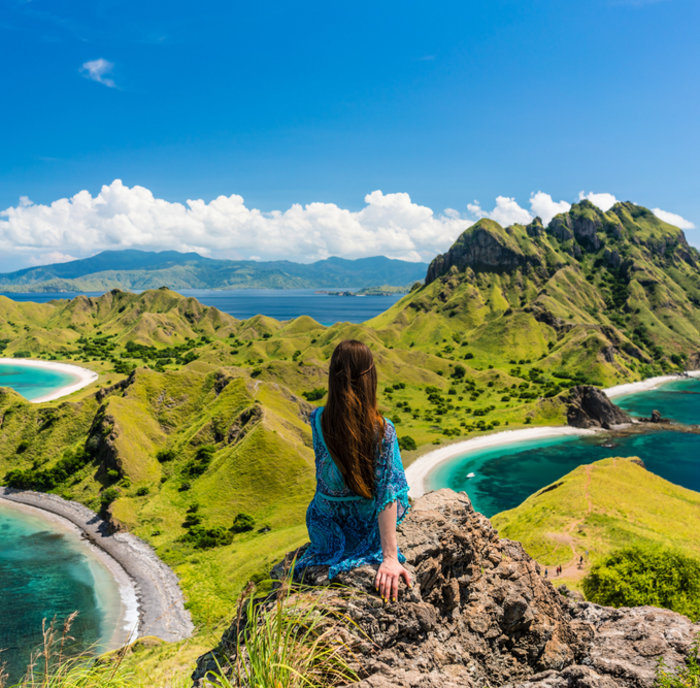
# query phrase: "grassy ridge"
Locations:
[[601, 507]]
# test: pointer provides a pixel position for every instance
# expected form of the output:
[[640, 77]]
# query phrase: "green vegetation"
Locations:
[[641, 575], [600, 508], [194, 407], [293, 640], [687, 676]]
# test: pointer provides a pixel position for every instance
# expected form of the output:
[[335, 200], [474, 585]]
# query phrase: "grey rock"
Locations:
[[480, 614], [589, 407]]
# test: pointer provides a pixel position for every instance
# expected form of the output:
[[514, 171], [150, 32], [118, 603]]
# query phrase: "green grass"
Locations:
[[628, 504]]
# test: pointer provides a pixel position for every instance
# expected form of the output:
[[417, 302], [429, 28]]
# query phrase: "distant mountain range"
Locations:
[[137, 270]]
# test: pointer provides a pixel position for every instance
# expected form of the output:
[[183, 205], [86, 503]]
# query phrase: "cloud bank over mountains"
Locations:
[[120, 217]]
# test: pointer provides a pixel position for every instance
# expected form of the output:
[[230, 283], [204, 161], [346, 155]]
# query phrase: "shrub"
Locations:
[[206, 538], [314, 394], [165, 455], [656, 576], [108, 496], [142, 491], [407, 443], [459, 372], [242, 523]]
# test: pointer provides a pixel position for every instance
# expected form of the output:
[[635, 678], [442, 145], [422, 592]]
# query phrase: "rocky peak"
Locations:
[[484, 247], [481, 613], [590, 407]]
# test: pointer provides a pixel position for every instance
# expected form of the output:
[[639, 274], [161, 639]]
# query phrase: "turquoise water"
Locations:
[[45, 572], [32, 382], [506, 475]]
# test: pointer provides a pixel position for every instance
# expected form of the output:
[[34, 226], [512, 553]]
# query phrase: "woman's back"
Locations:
[[343, 526]]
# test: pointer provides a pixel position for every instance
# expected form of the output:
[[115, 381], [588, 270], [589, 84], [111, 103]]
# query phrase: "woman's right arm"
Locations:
[[390, 570]]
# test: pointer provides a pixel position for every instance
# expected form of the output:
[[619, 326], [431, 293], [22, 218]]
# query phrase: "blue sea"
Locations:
[[33, 382], [504, 476], [46, 572], [281, 304]]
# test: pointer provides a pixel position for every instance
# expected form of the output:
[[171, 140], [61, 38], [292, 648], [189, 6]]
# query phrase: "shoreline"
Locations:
[[150, 593], [127, 620], [418, 472], [83, 376]]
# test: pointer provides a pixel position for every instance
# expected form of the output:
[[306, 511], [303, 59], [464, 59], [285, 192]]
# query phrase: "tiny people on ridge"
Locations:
[[361, 490]]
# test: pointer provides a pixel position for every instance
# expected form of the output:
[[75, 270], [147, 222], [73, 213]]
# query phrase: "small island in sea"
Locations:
[[193, 436]]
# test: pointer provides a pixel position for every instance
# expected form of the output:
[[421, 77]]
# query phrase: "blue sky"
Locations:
[[295, 103]]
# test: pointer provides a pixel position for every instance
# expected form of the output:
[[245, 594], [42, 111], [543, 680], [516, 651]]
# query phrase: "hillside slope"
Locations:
[[612, 294], [600, 507]]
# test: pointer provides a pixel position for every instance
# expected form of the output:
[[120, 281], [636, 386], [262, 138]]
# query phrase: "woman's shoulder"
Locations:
[[389, 429]]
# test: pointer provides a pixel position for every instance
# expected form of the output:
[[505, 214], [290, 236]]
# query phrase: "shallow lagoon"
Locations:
[[46, 572], [33, 382]]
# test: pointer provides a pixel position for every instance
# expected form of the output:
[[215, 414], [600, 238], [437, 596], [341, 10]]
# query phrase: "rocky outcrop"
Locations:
[[655, 417], [589, 407], [481, 248], [480, 614]]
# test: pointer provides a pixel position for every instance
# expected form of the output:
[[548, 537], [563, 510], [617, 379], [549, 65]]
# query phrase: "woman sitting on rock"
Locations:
[[361, 491]]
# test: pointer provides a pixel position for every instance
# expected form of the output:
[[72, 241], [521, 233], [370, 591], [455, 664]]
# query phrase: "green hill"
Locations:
[[138, 270], [600, 507]]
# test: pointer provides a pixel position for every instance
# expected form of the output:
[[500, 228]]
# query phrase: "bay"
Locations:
[[33, 382], [45, 574], [506, 475]]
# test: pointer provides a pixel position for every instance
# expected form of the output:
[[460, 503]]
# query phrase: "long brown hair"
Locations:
[[352, 426]]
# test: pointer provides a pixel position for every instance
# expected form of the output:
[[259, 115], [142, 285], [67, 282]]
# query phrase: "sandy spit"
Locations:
[[83, 376], [417, 472], [150, 592]]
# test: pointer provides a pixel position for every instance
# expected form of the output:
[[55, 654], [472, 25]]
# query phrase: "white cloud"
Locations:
[[506, 212], [604, 201], [545, 208], [49, 257], [131, 217], [673, 219], [120, 217], [97, 70]]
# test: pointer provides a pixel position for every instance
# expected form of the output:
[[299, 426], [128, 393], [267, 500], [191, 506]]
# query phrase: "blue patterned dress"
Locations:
[[343, 527]]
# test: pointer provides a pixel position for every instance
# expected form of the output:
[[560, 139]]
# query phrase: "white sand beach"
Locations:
[[649, 383], [418, 471], [151, 600], [82, 376]]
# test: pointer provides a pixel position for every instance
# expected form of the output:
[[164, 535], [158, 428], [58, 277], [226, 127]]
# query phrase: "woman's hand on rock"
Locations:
[[387, 581]]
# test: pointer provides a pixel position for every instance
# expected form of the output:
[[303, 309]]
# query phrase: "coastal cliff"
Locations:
[[480, 613]]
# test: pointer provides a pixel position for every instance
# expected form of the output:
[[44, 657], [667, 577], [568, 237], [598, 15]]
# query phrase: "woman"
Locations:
[[361, 491]]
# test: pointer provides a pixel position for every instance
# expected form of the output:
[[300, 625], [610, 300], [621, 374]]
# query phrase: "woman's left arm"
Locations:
[[390, 570]]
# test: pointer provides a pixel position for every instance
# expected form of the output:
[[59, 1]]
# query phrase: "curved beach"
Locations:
[[82, 376], [151, 600], [418, 471]]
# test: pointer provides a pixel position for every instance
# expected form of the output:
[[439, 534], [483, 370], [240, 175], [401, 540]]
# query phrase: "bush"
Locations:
[[314, 394], [242, 523], [206, 538], [656, 576], [459, 372], [108, 496], [407, 443], [142, 491], [165, 455]]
